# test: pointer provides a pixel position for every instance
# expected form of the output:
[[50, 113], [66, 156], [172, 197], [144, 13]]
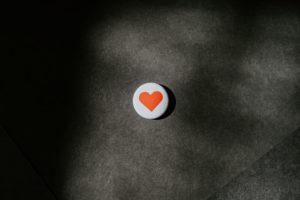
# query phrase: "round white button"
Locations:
[[150, 100]]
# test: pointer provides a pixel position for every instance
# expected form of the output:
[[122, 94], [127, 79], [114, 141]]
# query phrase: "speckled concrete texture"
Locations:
[[275, 176], [233, 68], [235, 82]]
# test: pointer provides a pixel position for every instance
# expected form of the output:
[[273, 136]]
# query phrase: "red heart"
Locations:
[[151, 100]]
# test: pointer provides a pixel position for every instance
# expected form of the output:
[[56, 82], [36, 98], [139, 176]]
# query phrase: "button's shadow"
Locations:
[[172, 103]]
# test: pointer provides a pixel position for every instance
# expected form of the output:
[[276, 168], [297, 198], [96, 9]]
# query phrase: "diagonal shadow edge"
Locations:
[[295, 132], [35, 170]]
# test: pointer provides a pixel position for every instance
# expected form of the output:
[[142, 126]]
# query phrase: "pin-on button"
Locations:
[[150, 100]]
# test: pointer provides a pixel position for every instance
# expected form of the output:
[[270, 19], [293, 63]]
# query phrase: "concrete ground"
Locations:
[[70, 70]]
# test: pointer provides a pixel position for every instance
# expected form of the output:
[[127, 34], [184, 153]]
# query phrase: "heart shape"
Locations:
[[151, 101]]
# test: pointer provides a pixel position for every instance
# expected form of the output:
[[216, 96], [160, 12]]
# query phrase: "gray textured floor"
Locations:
[[234, 70], [275, 176], [235, 83]]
